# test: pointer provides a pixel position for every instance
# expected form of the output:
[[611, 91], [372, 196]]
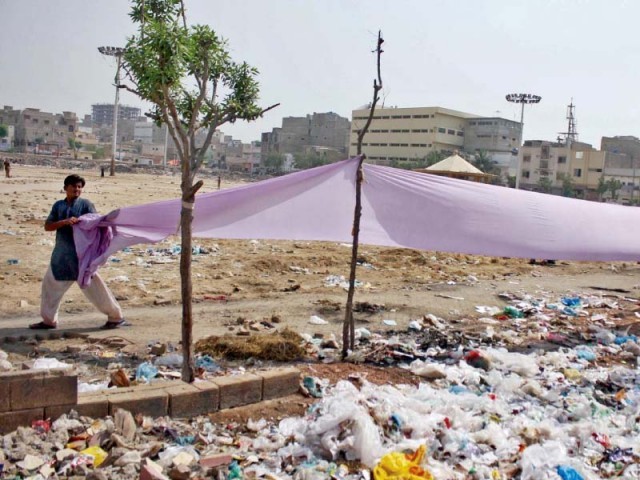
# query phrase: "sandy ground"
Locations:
[[254, 280]]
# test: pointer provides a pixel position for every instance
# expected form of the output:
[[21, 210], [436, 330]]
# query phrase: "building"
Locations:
[[577, 164], [299, 135], [38, 131], [627, 145], [499, 137], [408, 134], [148, 132], [6, 143], [102, 113]]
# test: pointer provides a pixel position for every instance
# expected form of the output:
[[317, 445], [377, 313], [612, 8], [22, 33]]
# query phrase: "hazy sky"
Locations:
[[315, 56]]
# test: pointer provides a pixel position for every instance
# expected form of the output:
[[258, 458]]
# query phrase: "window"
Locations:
[[526, 158], [451, 132], [577, 172], [441, 130], [544, 164], [562, 159], [472, 123], [544, 151], [460, 134], [525, 174]]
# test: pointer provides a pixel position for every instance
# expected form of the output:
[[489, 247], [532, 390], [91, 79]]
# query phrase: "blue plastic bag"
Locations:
[[568, 473]]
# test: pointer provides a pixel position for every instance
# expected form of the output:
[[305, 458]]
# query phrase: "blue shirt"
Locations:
[[64, 259]]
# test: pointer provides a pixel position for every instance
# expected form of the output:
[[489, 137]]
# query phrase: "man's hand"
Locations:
[[72, 221]]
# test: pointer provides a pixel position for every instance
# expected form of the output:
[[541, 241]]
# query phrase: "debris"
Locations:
[[278, 346]]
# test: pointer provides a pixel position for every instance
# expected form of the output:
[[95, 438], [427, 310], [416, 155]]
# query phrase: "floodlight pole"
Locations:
[[522, 99], [114, 52]]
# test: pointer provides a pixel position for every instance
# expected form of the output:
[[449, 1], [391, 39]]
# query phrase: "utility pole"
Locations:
[[522, 99], [114, 52]]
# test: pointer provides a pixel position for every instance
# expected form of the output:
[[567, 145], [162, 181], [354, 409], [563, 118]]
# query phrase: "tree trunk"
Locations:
[[348, 327], [186, 217]]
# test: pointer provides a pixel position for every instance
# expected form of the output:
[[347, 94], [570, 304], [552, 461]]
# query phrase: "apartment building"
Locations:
[[102, 113], [327, 131], [402, 134], [497, 136], [556, 161], [48, 131]]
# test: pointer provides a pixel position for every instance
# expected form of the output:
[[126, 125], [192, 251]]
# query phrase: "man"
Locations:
[[63, 270], [7, 168]]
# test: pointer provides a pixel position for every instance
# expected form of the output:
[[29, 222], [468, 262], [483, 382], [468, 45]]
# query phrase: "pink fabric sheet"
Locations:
[[399, 209]]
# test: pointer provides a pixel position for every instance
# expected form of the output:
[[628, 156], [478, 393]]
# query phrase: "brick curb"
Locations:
[[30, 395]]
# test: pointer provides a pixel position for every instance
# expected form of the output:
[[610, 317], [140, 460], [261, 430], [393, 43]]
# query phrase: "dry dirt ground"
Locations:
[[254, 280]]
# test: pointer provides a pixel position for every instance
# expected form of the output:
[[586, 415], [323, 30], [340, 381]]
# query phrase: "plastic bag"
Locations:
[[48, 363], [98, 454], [146, 372], [568, 473], [402, 466]]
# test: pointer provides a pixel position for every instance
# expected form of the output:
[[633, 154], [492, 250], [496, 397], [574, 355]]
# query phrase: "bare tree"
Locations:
[[348, 327]]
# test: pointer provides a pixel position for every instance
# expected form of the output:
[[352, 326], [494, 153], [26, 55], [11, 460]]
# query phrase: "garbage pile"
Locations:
[[544, 388]]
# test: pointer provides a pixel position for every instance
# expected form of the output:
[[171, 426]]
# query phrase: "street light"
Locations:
[[114, 52], [522, 99]]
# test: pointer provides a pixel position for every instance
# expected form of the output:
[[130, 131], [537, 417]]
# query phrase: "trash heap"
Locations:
[[543, 389]]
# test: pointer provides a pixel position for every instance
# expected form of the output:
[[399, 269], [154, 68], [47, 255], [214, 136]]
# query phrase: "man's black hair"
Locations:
[[73, 179]]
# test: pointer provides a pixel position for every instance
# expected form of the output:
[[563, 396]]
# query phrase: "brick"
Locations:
[[154, 403], [188, 400], [280, 382], [10, 421], [34, 389], [239, 390], [5, 396], [93, 407]]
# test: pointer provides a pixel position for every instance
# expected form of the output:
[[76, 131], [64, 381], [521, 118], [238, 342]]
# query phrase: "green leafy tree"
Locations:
[[511, 180], [483, 161], [274, 162], [74, 145], [434, 157], [309, 160], [568, 188], [186, 73], [602, 187], [614, 186], [4, 131], [545, 184]]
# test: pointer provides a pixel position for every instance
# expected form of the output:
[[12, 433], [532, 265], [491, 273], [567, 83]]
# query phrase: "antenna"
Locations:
[[571, 135]]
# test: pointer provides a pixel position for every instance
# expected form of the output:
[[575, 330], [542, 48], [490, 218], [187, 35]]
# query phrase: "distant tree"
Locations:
[[483, 161], [568, 188], [187, 75], [614, 186], [434, 157], [38, 140], [74, 145], [602, 188], [511, 180], [4, 131], [274, 162], [545, 184], [309, 160]]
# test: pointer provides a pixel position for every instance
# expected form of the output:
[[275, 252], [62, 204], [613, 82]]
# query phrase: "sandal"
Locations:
[[42, 326], [113, 325]]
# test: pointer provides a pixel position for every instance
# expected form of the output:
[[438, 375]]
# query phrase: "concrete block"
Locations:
[[187, 400], [93, 407], [280, 382], [33, 389], [5, 396], [153, 403], [10, 421], [239, 390]]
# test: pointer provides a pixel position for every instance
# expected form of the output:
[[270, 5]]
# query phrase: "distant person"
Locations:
[[64, 270], [102, 171], [219, 181], [7, 168]]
